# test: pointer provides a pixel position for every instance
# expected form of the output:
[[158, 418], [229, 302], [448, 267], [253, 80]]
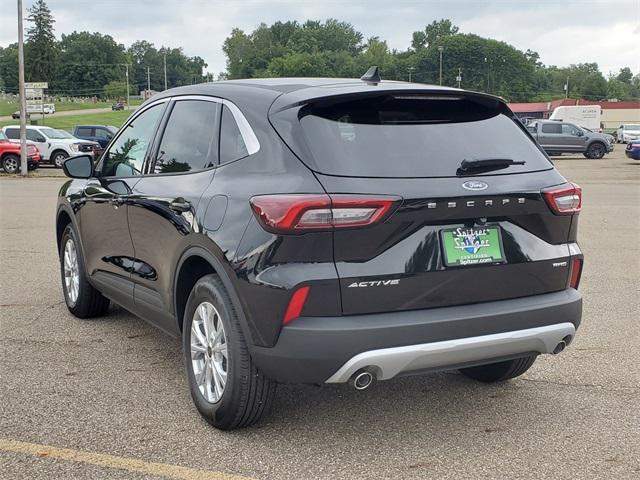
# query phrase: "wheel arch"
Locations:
[[63, 218], [193, 264]]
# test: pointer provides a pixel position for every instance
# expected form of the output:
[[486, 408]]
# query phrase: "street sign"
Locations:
[[36, 85]]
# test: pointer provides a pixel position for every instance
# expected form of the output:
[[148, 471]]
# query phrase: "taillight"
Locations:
[[298, 213], [296, 304], [564, 199], [576, 272]]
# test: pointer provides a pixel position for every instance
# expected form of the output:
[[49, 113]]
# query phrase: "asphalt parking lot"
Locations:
[[107, 398]]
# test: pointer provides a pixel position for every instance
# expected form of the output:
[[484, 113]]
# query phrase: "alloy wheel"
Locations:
[[71, 271], [10, 165], [209, 352], [58, 160]]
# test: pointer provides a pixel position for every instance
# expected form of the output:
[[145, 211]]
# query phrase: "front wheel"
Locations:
[[82, 299], [228, 390], [500, 371], [10, 163], [58, 158], [595, 151]]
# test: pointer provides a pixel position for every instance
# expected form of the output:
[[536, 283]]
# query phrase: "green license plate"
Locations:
[[472, 246]]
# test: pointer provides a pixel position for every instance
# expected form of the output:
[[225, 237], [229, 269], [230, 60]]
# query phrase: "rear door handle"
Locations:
[[180, 205]]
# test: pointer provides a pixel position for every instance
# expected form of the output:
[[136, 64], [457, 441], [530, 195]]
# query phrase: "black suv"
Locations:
[[325, 231]]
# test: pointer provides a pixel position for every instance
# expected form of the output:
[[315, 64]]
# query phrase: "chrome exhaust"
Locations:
[[362, 379], [560, 347]]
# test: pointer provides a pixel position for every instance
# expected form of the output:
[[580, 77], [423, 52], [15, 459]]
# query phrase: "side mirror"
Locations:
[[41, 139], [80, 166], [580, 133]]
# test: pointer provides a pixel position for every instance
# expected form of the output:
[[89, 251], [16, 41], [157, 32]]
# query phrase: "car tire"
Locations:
[[58, 157], [246, 393], [82, 299], [596, 151], [11, 163], [500, 371]]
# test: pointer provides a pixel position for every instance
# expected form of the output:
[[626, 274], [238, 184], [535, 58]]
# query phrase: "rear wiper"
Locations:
[[486, 165]]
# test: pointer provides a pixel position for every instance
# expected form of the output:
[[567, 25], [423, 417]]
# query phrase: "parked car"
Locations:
[[16, 115], [117, 106], [55, 145], [557, 138], [633, 150], [325, 231], [628, 132], [48, 108], [96, 133], [10, 155]]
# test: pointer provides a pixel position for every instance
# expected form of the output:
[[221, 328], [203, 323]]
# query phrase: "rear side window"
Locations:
[[552, 128], [400, 135], [85, 132], [13, 133], [232, 146], [190, 139]]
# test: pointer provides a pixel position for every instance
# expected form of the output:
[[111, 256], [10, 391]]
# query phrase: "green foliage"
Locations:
[[115, 90], [41, 49], [433, 33]]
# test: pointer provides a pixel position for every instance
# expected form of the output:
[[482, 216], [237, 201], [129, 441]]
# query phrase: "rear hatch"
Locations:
[[458, 235]]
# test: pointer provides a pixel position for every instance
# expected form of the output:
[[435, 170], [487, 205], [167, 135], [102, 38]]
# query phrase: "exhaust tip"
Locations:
[[560, 347], [361, 380]]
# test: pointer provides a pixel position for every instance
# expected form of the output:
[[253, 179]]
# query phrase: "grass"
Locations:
[[67, 123], [7, 108]]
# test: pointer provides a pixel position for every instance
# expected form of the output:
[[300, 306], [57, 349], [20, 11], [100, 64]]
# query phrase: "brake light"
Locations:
[[565, 199], [299, 213], [296, 304], [576, 272]]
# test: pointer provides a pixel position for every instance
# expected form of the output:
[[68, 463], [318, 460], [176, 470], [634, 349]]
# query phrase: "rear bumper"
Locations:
[[330, 349]]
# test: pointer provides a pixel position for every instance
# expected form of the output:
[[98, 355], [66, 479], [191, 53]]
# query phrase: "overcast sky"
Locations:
[[562, 32]]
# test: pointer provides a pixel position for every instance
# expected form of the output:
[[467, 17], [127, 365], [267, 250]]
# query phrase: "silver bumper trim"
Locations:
[[389, 362]]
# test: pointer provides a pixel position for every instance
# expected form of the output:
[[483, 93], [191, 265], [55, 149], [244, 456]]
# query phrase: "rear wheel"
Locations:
[[501, 371], [10, 163], [595, 151], [227, 388], [82, 299]]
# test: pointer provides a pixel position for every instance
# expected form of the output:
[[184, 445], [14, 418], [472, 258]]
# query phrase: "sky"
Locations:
[[562, 32]]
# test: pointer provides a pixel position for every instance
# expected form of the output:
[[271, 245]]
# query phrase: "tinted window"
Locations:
[[34, 136], [232, 145], [126, 155], [413, 136], [190, 139], [552, 128], [13, 133], [84, 132]]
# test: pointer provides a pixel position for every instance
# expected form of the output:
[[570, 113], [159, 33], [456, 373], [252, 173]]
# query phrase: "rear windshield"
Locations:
[[413, 136]]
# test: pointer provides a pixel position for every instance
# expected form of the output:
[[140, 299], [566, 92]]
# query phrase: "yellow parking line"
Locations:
[[111, 461]]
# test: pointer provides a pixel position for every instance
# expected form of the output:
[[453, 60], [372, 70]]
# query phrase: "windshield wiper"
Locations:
[[478, 165]]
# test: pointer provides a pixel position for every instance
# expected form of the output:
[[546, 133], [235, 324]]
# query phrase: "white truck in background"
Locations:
[[586, 116]]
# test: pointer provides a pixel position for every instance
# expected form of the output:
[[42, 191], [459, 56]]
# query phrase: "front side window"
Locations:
[[232, 146], [126, 156], [100, 133], [34, 136], [568, 129], [190, 139]]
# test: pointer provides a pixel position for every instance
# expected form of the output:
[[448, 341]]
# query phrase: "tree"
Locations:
[[9, 68], [41, 49], [433, 33], [115, 89], [625, 75]]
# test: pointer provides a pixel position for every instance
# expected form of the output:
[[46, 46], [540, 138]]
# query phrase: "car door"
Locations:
[[550, 137], [163, 204], [42, 142], [574, 137], [103, 223]]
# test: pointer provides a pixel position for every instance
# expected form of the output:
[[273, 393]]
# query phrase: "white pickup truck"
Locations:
[[55, 145]]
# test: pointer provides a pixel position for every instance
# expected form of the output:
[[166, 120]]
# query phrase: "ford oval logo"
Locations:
[[475, 185]]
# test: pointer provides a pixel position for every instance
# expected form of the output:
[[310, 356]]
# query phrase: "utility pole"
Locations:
[[127, 73], [23, 99], [459, 77], [411, 69], [165, 70], [148, 81], [440, 49], [486, 60], [566, 88]]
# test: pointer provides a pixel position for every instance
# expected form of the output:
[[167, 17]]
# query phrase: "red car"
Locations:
[[10, 155]]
